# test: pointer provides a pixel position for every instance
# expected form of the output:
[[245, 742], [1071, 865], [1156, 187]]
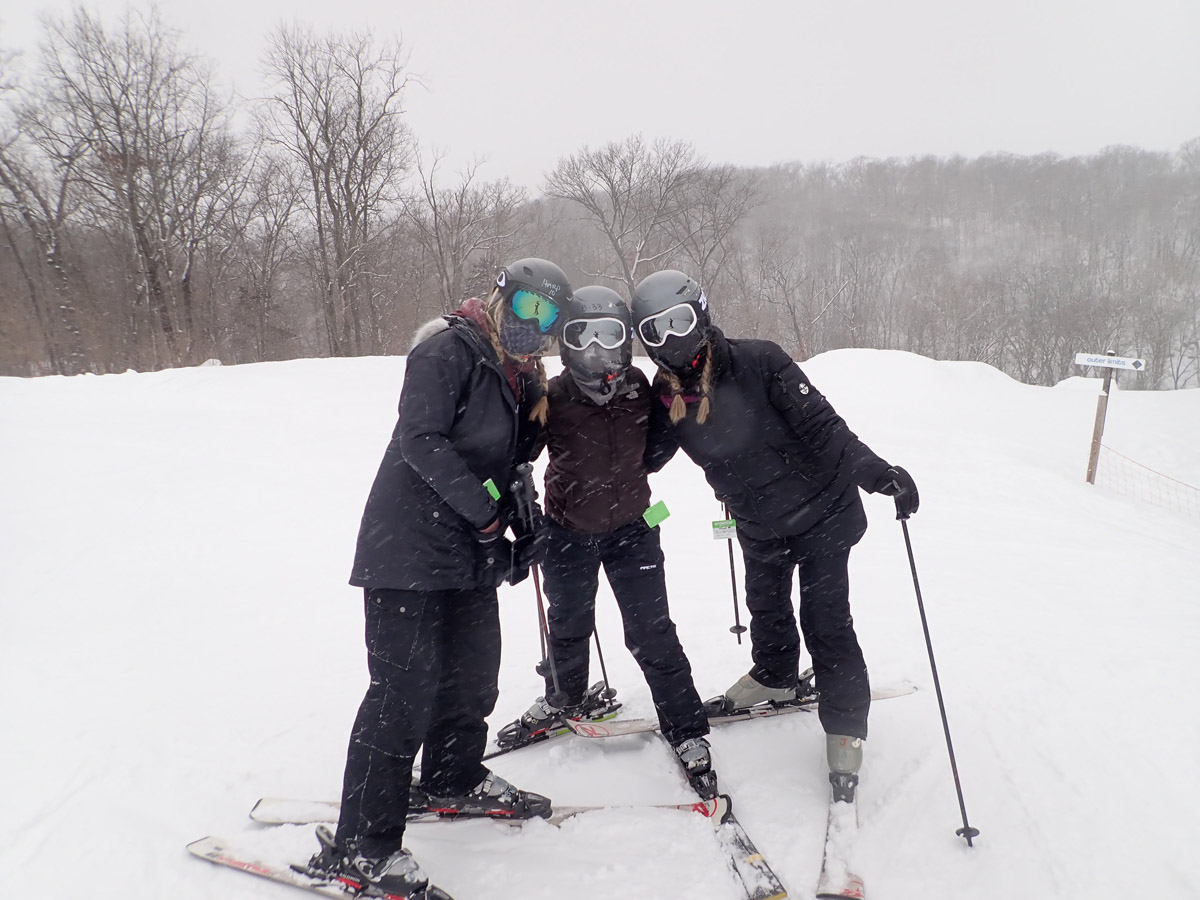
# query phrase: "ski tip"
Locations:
[[209, 847], [851, 889]]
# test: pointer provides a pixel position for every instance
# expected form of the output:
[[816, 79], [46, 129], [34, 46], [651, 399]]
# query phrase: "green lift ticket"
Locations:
[[656, 514]]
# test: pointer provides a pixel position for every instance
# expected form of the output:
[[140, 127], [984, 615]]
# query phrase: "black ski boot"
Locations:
[[395, 877], [492, 798], [542, 719], [696, 759], [327, 863]]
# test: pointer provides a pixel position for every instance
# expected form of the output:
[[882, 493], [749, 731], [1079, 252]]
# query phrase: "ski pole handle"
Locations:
[[524, 493]]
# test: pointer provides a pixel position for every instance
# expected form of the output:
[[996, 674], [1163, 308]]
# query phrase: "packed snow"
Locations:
[[177, 639]]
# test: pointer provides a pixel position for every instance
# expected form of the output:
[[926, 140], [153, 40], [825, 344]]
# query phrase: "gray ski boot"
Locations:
[[844, 754]]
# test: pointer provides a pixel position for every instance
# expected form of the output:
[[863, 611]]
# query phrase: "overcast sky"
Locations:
[[754, 82]]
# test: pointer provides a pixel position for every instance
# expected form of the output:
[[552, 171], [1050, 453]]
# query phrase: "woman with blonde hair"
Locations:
[[789, 469], [431, 552]]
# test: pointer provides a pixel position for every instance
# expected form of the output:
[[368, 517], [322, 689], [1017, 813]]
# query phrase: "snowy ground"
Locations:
[[177, 639]]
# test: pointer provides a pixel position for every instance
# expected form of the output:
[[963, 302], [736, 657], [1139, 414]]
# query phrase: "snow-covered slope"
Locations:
[[177, 639]]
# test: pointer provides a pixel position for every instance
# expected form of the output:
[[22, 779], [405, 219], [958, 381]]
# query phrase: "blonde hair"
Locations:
[[541, 409], [678, 409]]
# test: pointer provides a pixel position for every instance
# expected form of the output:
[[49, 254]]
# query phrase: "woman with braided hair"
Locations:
[[789, 469], [431, 553]]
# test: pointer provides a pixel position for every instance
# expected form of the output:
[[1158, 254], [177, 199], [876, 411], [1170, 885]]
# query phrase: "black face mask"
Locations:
[[679, 354]]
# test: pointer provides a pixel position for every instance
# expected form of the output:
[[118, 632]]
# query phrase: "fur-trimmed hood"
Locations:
[[429, 329]]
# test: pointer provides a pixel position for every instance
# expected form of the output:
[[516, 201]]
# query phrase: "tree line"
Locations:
[[149, 219]]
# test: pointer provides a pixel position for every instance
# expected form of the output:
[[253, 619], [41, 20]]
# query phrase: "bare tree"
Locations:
[[262, 246], [633, 193], [714, 203], [337, 114], [156, 162], [34, 196], [456, 226]]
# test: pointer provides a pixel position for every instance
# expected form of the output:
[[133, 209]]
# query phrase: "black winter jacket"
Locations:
[[773, 448], [596, 480], [459, 425]]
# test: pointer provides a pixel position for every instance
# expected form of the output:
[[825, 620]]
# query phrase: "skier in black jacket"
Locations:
[[597, 489], [431, 553], [789, 469]]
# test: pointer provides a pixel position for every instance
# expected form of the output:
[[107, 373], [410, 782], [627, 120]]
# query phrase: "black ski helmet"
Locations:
[[523, 335], [595, 350], [673, 345]]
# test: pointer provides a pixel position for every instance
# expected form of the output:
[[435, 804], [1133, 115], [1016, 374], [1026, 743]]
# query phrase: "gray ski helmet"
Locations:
[[526, 320], [594, 347], [540, 276], [659, 293]]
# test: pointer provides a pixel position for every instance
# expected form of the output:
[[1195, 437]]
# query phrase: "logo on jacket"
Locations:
[[803, 388]]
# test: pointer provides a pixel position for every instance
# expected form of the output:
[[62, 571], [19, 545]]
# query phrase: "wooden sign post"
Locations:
[[1109, 361]]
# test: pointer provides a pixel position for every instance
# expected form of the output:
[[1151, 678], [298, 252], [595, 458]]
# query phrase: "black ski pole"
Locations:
[[524, 493], [737, 627], [966, 832], [608, 693]]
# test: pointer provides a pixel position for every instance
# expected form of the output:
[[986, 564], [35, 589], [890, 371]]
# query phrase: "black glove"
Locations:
[[899, 485], [497, 558], [528, 550]]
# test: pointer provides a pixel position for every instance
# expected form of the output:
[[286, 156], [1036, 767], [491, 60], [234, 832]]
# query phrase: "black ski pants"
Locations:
[[434, 659], [825, 621], [632, 558]]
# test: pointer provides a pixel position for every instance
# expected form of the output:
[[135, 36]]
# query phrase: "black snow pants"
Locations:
[[632, 558], [434, 659], [825, 621]]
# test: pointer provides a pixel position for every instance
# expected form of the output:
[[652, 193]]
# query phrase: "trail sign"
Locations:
[[1109, 362]]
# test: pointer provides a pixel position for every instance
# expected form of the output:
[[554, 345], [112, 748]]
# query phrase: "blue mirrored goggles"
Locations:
[[535, 307]]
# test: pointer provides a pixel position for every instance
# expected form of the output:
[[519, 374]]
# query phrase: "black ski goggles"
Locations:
[[677, 321], [608, 332], [534, 307]]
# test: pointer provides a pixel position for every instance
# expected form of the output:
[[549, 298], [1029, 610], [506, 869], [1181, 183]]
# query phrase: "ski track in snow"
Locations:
[[177, 639]]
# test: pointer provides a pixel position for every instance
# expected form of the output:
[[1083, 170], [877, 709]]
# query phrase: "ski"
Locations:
[[605, 708], [280, 811], [245, 857], [619, 727], [837, 881], [225, 853], [750, 870]]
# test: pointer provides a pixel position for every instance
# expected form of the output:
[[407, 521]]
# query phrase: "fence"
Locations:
[[1122, 475]]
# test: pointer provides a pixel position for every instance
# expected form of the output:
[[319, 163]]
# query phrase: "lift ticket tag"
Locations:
[[724, 530], [656, 514]]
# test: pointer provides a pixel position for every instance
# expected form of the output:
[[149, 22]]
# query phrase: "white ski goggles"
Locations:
[[608, 332], [676, 321]]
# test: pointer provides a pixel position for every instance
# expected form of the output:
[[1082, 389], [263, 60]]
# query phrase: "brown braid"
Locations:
[[705, 388], [541, 409], [678, 409]]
